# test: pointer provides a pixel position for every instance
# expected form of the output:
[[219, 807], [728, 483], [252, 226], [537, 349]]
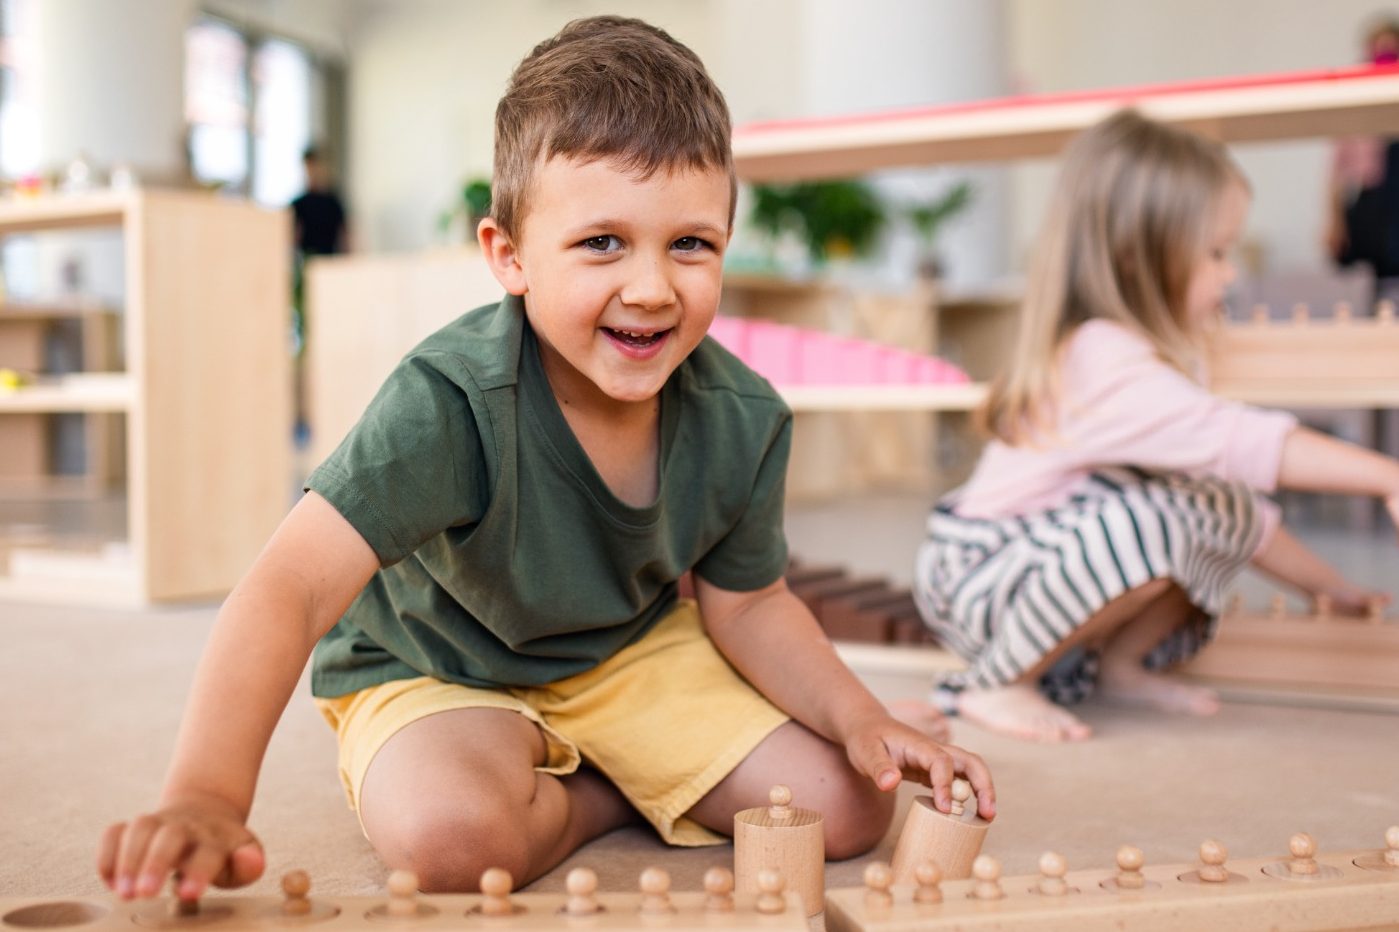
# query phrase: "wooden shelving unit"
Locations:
[[205, 399]]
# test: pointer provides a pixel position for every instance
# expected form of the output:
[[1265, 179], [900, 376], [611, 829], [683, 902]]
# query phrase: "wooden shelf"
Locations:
[[65, 212], [1333, 102], [89, 391], [803, 398], [30, 312]]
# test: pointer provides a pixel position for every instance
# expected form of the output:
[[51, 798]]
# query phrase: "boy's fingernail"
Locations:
[[147, 884], [124, 887]]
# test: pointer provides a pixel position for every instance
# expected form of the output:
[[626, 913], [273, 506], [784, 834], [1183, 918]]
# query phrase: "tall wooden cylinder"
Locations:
[[786, 838], [951, 842]]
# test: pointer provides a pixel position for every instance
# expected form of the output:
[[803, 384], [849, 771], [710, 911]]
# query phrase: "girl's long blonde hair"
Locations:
[[1134, 205]]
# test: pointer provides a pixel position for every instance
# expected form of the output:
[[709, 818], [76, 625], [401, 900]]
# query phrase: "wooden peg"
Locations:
[[581, 885], [1277, 608], [1053, 866], [928, 877], [496, 884], [785, 837], [961, 792], [1261, 314], [1234, 605], [179, 906], [655, 891], [987, 871], [1129, 868], [1374, 610], [295, 887], [719, 890], [1391, 844], [1302, 847], [771, 884], [1343, 312], [1323, 607], [1213, 854], [403, 894], [878, 879], [1301, 314], [1384, 312]]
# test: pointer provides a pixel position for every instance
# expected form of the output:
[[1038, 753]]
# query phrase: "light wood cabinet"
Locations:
[[204, 403]]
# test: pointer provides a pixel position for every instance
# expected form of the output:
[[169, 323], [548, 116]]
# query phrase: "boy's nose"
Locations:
[[649, 286]]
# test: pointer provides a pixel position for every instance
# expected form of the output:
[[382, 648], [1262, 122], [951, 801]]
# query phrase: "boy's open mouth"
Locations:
[[633, 338]]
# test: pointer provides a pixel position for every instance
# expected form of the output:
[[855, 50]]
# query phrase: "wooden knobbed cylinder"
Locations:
[[784, 838], [952, 842]]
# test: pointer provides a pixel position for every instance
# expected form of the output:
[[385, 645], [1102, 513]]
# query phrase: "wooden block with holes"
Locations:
[[653, 907], [1319, 649], [1299, 889]]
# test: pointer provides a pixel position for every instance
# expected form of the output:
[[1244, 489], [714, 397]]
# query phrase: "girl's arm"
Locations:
[[1314, 462], [1287, 559]]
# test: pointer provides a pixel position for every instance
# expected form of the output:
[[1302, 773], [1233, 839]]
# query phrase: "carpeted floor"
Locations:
[[90, 700]]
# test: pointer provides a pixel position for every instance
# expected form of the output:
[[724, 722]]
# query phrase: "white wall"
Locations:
[[424, 83], [1079, 44]]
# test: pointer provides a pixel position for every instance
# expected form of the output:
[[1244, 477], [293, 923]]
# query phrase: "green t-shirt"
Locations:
[[505, 559]]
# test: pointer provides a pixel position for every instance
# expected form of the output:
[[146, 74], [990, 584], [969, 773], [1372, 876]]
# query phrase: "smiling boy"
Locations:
[[488, 565]]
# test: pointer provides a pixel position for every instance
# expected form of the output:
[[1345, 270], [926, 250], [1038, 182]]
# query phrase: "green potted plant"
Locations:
[[928, 218], [473, 207], [834, 219]]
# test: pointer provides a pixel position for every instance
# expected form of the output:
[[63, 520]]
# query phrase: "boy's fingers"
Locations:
[[163, 855], [877, 763], [107, 853], [132, 852], [243, 866], [204, 861], [979, 775], [940, 779]]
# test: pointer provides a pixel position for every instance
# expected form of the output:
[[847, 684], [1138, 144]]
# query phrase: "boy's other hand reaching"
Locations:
[[889, 751], [203, 841]]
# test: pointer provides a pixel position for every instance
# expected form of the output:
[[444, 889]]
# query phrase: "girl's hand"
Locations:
[[887, 751], [1355, 601]]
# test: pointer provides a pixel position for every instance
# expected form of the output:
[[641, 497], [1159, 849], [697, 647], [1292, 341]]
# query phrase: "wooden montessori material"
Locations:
[[784, 838], [952, 842], [652, 906]]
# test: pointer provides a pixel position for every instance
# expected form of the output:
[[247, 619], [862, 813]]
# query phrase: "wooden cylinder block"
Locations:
[[929, 835], [784, 838]]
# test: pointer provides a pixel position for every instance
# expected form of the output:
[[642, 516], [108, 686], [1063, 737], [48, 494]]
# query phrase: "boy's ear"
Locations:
[[501, 256]]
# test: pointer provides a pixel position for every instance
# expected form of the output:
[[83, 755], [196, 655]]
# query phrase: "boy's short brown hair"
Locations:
[[606, 87]]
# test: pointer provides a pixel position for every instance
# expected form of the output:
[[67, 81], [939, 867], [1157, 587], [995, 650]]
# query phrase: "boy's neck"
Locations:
[[620, 438]]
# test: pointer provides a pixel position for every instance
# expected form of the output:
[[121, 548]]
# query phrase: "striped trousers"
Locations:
[[1004, 592]]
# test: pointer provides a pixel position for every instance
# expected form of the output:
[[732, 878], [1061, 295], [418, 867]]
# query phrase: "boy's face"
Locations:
[[621, 275]]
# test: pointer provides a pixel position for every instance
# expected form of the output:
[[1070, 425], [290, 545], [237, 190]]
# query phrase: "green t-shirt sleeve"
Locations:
[[413, 466], [753, 554]]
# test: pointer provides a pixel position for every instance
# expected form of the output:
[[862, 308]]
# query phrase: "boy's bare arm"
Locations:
[[309, 572], [774, 641]]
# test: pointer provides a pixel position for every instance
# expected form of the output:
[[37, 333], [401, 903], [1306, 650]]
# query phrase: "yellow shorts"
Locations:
[[665, 719]]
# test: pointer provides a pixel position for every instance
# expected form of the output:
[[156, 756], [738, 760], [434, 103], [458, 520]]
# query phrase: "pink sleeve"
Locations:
[[1124, 405]]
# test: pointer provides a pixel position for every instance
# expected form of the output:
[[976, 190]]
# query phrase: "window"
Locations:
[[19, 118], [254, 102]]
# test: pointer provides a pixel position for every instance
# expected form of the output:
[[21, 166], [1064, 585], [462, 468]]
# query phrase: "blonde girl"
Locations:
[[1118, 498]]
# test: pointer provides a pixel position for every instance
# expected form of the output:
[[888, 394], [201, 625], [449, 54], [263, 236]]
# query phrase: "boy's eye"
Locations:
[[608, 243], [689, 244]]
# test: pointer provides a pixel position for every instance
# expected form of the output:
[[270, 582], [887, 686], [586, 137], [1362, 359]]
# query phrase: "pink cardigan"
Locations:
[[1120, 405]]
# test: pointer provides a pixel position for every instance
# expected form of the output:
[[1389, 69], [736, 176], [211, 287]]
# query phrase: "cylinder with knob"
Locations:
[[781, 837]]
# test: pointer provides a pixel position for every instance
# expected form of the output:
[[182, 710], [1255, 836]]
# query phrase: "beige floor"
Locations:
[[89, 703]]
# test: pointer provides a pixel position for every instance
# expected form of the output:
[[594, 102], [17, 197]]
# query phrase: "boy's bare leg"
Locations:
[[855, 812], [1122, 677], [456, 793], [1021, 711], [1289, 561]]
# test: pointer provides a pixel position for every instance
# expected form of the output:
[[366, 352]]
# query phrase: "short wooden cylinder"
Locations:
[[930, 835], [793, 845]]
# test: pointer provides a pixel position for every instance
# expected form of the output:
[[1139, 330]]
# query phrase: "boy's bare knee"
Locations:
[[855, 813], [450, 850]]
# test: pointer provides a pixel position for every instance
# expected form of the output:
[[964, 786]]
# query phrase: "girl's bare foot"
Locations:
[[1021, 712], [1136, 685], [922, 715]]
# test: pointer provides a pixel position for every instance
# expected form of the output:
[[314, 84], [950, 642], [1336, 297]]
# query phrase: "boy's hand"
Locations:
[[203, 841], [888, 751]]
